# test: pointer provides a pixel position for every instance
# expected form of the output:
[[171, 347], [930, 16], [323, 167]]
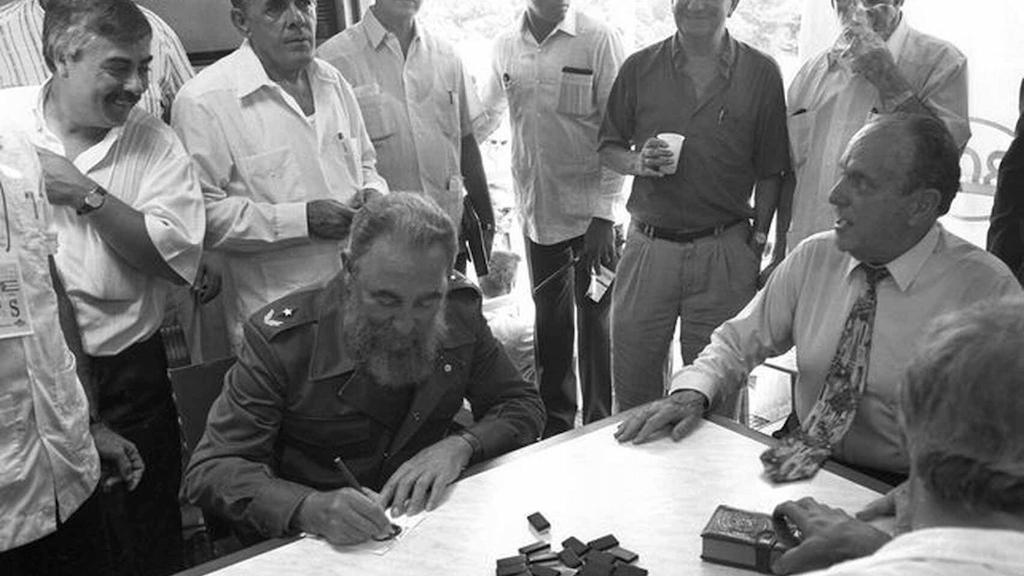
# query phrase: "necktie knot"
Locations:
[[875, 274]]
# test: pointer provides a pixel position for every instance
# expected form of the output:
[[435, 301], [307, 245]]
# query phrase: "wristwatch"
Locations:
[[93, 200], [760, 238]]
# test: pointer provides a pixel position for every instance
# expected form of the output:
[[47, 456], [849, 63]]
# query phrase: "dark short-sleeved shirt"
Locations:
[[735, 134]]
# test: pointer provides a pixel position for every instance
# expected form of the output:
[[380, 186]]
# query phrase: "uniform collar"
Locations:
[[376, 33], [726, 55], [905, 268]]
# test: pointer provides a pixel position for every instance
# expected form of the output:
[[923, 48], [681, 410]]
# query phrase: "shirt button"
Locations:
[[416, 416], [447, 368], [387, 455]]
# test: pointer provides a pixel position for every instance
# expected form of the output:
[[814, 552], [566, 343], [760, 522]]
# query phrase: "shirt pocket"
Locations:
[[272, 177], [576, 93], [801, 130], [374, 107]]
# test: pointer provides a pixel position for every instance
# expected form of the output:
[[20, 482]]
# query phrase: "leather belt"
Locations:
[[681, 236]]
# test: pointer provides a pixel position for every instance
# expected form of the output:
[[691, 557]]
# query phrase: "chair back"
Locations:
[[195, 389]]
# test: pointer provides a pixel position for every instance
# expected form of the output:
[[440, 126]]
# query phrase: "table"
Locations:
[[655, 498]]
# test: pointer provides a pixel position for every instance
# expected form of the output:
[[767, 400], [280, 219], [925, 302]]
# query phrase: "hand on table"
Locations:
[[828, 535], [682, 411], [654, 155], [599, 245], [344, 516], [421, 481], [120, 454]]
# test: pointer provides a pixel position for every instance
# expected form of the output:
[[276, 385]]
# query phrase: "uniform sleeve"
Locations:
[[508, 410], [493, 100], [172, 208], [235, 222], [619, 122], [771, 144], [232, 469], [761, 330], [1006, 230]]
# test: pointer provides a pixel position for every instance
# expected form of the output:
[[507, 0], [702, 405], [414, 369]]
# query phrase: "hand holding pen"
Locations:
[[349, 515]]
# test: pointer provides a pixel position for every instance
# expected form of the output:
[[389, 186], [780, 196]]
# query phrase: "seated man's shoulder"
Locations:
[[215, 78], [972, 261], [297, 310]]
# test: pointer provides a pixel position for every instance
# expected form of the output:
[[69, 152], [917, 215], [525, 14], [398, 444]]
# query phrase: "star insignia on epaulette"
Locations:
[[273, 319]]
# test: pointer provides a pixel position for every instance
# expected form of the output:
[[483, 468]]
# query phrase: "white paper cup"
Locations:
[[675, 145]]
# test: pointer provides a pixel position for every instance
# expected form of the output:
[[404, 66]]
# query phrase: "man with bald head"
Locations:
[[879, 65], [852, 301]]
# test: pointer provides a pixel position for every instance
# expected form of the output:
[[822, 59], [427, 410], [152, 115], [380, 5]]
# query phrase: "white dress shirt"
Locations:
[[260, 160], [805, 304], [828, 104], [941, 552], [144, 165], [22, 64], [416, 106], [556, 93], [48, 461]]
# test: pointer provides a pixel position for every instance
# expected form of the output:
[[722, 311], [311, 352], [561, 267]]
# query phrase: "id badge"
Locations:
[[14, 317]]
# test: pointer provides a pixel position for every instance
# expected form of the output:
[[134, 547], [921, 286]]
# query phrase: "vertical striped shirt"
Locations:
[[22, 64]]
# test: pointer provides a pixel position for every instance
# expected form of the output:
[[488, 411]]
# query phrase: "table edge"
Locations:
[[268, 545]]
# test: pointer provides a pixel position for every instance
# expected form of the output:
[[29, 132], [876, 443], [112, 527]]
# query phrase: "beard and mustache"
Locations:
[[393, 359]]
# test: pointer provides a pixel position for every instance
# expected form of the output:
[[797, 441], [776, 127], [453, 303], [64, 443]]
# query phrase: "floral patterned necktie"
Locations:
[[801, 454]]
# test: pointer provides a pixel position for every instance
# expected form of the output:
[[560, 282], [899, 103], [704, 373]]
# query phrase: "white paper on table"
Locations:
[[405, 522], [599, 283]]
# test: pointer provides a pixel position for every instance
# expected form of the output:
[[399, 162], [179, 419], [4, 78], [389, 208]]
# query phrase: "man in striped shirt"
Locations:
[[22, 64]]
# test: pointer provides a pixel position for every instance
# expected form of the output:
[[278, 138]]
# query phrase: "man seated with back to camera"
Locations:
[[362, 376]]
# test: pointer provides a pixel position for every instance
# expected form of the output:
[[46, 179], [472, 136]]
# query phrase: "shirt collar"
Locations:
[[568, 25], [907, 266], [250, 75], [376, 33], [47, 139], [1004, 548], [726, 56]]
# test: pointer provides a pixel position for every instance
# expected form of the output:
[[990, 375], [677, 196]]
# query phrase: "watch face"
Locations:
[[94, 199]]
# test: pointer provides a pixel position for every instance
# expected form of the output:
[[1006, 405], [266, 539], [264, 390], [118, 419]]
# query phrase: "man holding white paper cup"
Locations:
[[694, 249], [878, 65]]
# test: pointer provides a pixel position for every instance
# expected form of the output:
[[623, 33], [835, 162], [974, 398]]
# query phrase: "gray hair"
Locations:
[[936, 158], [962, 404], [69, 25], [411, 218], [502, 275]]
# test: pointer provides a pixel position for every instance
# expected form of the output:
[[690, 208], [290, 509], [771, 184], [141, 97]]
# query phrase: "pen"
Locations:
[[350, 478], [721, 115], [451, 97]]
